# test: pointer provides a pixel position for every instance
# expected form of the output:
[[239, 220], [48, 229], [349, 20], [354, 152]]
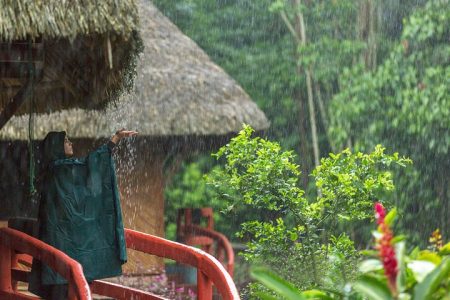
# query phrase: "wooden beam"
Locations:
[[13, 105]]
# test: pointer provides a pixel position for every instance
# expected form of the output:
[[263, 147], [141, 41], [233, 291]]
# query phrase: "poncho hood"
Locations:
[[53, 146]]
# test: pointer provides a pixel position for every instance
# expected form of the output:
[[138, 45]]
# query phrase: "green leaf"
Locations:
[[372, 288], [293, 236], [377, 235], [445, 250], [430, 284], [371, 253], [398, 238], [370, 265], [265, 296], [421, 268], [344, 217], [404, 296], [430, 256], [390, 217], [414, 253], [316, 294], [276, 283], [401, 277]]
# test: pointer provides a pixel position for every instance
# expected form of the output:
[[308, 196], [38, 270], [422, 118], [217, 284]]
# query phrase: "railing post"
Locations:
[[71, 295], [14, 264], [204, 286], [5, 268]]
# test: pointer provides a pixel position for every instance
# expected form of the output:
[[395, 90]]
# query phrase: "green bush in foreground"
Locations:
[[290, 232], [391, 274]]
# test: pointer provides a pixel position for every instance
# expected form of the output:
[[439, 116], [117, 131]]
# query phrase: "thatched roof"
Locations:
[[83, 51], [178, 91], [22, 19]]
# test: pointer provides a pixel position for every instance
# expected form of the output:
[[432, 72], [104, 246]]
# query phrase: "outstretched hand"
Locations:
[[122, 133]]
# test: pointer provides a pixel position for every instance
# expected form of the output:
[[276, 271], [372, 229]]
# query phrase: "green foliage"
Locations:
[[350, 183], [332, 41], [277, 284], [189, 190], [263, 175], [421, 275], [254, 46], [264, 178], [341, 261], [373, 288], [404, 104], [434, 281]]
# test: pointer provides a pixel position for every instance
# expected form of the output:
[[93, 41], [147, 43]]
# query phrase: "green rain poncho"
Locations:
[[80, 213]]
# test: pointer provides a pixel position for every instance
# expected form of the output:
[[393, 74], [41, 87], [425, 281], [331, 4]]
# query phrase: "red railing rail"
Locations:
[[190, 232], [209, 270], [12, 241], [222, 241]]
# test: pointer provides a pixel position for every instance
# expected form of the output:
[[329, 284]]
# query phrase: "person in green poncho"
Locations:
[[79, 213]]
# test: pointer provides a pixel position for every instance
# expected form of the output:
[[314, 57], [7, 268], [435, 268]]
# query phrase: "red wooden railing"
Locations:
[[211, 241], [223, 250], [12, 241], [209, 271]]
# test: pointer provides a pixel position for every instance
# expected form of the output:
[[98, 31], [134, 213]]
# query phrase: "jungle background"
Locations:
[[331, 75]]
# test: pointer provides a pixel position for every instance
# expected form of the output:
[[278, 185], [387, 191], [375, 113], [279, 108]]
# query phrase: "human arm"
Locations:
[[120, 134]]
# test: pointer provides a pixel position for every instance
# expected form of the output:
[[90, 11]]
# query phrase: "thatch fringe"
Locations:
[[21, 19], [77, 73]]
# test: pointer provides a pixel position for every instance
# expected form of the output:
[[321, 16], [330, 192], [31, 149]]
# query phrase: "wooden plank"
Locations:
[[118, 291], [4, 295]]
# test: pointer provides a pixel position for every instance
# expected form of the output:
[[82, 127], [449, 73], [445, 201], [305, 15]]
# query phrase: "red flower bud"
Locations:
[[385, 248]]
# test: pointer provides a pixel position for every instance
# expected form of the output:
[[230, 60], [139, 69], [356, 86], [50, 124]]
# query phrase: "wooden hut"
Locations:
[[181, 102]]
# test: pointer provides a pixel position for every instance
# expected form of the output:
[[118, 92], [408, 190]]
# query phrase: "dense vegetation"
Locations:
[[330, 75]]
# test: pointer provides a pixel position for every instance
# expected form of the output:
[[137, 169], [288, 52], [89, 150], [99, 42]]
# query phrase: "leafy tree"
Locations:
[[264, 178], [404, 104], [255, 46], [189, 189]]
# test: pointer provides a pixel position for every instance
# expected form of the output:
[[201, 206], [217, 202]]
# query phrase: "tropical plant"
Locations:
[[264, 179], [423, 274]]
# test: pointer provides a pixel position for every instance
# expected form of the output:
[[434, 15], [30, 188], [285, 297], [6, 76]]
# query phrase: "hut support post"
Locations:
[[204, 286], [5, 269], [13, 105]]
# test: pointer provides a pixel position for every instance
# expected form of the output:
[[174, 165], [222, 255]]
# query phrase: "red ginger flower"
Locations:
[[385, 247], [380, 213]]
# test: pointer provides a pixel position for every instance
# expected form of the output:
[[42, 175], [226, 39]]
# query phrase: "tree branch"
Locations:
[[289, 26]]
